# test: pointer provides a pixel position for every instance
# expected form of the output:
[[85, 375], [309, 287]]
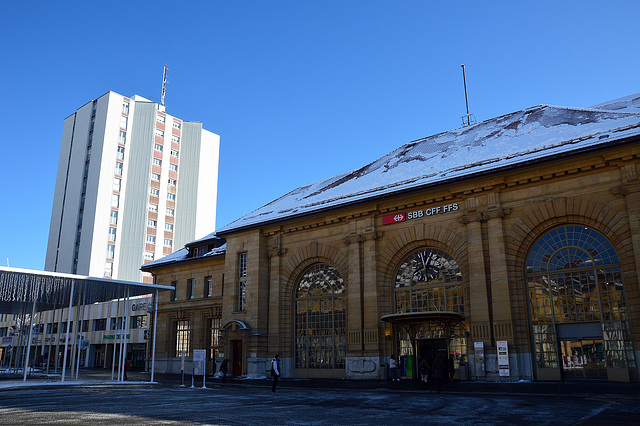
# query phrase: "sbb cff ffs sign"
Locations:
[[394, 218]]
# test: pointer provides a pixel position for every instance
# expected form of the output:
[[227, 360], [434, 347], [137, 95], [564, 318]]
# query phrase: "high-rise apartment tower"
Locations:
[[134, 183]]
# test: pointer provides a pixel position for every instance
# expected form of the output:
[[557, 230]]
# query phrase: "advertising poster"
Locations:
[[503, 358], [199, 356], [479, 356]]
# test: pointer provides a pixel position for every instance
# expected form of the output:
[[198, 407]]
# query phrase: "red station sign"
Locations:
[[394, 218]]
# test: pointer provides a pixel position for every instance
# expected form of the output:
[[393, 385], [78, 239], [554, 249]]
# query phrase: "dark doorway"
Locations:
[[236, 360], [430, 348]]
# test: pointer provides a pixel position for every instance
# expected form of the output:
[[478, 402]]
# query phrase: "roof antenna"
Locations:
[[164, 85], [469, 119]]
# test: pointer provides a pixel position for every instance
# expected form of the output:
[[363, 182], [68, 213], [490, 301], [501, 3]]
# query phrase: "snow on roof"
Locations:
[[629, 103], [181, 255], [532, 134]]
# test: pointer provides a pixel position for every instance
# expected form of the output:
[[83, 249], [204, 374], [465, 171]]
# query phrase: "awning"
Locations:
[[51, 290]]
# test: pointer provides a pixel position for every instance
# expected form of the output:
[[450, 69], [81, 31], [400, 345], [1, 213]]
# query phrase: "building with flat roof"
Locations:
[[133, 183], [511, 245]]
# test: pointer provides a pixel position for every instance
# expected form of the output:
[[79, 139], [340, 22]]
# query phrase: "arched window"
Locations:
[[320, 319], [428, 280], [576, 293]]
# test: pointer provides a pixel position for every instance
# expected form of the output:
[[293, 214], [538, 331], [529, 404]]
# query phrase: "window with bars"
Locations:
[[214, 338], [182, 337], [320, 319]]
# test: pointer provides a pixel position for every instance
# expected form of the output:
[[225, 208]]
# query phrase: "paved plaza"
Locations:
[[303, 403]]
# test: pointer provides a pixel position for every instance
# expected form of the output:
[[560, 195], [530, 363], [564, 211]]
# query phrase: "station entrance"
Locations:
[[583, 359]]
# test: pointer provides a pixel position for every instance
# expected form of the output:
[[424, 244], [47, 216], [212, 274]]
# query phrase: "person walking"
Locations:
[[393, 366], [224, 369], [127, 365], [451, 367], [424, 369], [275, 373]]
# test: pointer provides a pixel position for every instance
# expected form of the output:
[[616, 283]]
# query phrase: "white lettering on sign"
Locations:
[[433, 211]]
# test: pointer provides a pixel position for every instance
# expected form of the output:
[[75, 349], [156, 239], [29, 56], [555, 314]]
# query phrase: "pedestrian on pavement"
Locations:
[[451, 367], [275, 373], [424, 369], [393, 366], [439, 370], [127, 365], [224, 369]]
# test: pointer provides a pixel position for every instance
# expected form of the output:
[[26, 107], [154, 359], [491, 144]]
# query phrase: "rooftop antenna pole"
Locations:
[[164, 85], [466, 98]]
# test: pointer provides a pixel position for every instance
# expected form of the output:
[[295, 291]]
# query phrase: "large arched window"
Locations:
[[574, 277], [320, 319], [428, 280]]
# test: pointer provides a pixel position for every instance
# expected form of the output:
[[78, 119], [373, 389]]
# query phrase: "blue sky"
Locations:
[[297, 90]]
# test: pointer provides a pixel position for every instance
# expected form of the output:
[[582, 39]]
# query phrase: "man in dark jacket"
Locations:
[[439, 370], [275, 372]]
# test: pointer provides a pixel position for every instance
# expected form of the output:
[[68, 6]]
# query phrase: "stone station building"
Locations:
[[512, 244]]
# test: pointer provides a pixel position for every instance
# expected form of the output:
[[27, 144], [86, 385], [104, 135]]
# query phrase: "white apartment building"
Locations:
[[133, 183]]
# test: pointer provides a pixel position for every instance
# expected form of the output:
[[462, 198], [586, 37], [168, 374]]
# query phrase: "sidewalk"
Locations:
[[100, 377]]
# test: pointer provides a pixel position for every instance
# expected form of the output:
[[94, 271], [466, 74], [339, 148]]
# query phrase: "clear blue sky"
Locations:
[[298, 90]]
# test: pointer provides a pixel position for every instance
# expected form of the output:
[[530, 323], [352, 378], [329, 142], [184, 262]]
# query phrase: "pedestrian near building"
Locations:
[[451, 367], [424, 369], [275, 373], [127, 365], [393, 366], [224, 369]]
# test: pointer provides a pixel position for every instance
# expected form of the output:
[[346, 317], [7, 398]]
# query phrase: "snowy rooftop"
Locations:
[[533, 134]]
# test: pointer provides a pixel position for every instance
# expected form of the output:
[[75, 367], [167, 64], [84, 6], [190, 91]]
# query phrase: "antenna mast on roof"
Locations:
[[164, 85], [469, 119]]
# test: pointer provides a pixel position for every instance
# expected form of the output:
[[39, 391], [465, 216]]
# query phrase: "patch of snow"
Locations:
[[532, 134]]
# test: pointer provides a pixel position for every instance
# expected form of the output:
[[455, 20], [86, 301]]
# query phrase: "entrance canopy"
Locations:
[[50, 290]]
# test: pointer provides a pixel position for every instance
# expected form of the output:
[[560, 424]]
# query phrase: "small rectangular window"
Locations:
[[153, 208], [110, 251], [115, 201], [151, 239], [123, 137], [155, 192], [117, 183], [114, 217], [174, 153], [160, 118], [171, 197], [177, 125], [121, 153], [159, 132], [118, 170], [208, 286], [175, 139], [173, 182], [149, 255], [170, 212], [168, 226], [158, 147], [190, 288], [108, 269], [168, 242], [242, 281], [155, 176], [173, 167], [112, 234], [152, 223], [125, 107], [124, 121], [157, 162]]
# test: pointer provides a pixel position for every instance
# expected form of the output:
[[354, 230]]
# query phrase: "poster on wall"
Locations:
[[479, 356], [503, 358]]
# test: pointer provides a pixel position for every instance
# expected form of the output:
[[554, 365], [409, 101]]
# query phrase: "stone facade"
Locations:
[[488, 224]]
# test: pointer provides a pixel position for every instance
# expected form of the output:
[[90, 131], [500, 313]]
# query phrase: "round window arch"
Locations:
[[320, 319], [575, 286], [428, 279]]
